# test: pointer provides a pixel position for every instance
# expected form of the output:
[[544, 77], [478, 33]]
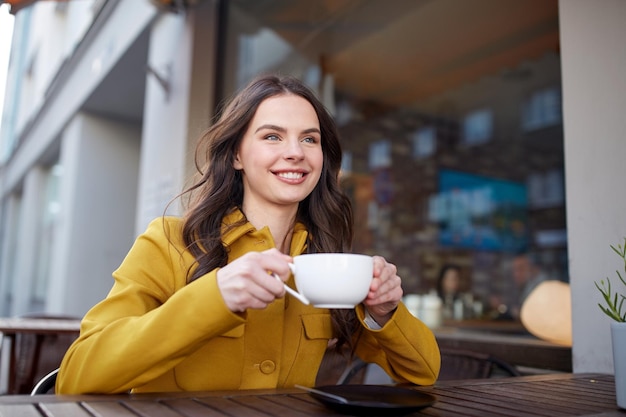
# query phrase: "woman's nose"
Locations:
[[294, 150]]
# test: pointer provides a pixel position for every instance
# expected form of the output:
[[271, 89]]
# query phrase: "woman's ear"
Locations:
[[237, 163]]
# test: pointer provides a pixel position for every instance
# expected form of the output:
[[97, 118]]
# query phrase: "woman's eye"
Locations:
[[310, 139], [272, 137]]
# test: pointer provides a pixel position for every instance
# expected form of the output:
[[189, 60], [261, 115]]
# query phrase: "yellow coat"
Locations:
[[154, 332]]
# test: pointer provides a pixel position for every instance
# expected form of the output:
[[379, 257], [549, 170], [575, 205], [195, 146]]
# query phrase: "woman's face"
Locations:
[[451, 281], [280, 155]]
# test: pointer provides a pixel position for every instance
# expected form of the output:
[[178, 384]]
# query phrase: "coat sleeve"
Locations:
[[404, 347], [149, 322]]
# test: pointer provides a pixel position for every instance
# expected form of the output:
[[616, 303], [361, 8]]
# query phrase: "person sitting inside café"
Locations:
[[195, 304], [449, 288], [526, 275]]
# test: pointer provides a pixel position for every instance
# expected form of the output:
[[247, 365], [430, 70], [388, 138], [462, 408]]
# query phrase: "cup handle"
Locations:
[[291, 291]]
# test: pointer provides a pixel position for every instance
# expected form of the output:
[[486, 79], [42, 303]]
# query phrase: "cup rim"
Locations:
[[334, 254]]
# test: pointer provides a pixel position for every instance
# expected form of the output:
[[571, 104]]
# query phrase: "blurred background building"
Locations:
[[472, 131]]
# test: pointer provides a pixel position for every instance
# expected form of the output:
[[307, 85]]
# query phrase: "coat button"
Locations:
[[267, 367]]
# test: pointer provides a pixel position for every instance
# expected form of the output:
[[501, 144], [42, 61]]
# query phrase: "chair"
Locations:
[[37, 354], [466, 364], [46, 383], [455, 364]]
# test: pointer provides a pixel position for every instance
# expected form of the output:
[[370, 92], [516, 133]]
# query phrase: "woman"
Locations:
[[449, 283], [449, 291], [194, 306]]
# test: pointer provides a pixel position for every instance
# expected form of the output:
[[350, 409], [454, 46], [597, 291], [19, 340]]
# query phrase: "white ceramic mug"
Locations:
[[332, 280]]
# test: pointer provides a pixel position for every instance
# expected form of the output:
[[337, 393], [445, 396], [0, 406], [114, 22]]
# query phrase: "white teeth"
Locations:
[[290, 175]]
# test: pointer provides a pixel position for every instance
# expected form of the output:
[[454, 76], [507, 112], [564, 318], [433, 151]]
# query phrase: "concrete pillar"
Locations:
[[183, 50], [98, 191], [165, 118], [593, 35]]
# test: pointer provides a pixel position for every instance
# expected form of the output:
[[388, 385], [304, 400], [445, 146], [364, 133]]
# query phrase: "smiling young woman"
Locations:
[[194, 307]]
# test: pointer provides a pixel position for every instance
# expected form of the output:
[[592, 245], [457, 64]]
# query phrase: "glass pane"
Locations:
[[450, 116], [49, 225]]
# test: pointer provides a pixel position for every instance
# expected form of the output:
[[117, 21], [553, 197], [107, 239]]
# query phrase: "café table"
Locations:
[[11, 327], [536, 395]]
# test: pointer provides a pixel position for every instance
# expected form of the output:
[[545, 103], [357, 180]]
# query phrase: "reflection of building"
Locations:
[[106, 99]]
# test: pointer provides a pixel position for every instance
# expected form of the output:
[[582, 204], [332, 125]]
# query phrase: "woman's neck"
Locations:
[[278, 220]]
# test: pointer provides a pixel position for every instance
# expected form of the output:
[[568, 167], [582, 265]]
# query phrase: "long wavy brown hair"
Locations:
[[218, 189]]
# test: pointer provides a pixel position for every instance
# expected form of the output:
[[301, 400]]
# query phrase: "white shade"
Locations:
[[547, 312]]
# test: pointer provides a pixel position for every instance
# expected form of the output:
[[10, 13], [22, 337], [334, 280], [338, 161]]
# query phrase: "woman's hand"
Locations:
[[247, 281], [385, 291]]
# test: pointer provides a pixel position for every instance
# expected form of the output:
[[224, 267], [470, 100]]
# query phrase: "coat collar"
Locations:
[[231, 234]]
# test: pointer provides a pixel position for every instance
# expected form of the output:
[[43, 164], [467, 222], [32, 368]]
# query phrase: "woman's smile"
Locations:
[[291, 176]]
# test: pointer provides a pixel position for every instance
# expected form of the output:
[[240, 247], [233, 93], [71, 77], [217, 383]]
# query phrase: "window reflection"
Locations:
[[478, 127], [542, 109], [380, 155], [450, 116], [424, 142]]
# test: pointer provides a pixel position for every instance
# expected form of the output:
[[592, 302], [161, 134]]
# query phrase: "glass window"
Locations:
[[424, 142], [49, 225], [453, 142], [542, 109], [380, 155], [477, 127]]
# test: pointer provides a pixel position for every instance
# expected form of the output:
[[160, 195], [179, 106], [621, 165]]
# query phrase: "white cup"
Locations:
[[332, 280]]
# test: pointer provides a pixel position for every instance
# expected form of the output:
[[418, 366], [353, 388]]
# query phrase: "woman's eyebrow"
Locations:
[[282, 129], [312, 130], [271, 127]]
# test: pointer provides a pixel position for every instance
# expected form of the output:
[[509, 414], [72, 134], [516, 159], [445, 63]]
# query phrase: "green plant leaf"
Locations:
[[614, 301]]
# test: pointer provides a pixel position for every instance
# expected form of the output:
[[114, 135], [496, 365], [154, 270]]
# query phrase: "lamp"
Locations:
[[547, 312]]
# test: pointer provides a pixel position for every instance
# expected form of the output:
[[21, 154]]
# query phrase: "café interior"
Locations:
[[451, 126]]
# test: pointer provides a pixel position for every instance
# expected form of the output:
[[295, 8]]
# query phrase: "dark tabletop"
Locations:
[[538, 395]]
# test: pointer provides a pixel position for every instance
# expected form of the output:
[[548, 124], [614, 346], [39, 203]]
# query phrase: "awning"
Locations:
[[17, 5], [169, 5]]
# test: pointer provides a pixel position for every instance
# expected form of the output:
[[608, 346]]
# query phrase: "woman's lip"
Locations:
[[291, 176], [290, 173]]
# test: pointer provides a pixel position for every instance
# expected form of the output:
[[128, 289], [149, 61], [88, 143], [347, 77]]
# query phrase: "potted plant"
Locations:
[[615, 308]]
